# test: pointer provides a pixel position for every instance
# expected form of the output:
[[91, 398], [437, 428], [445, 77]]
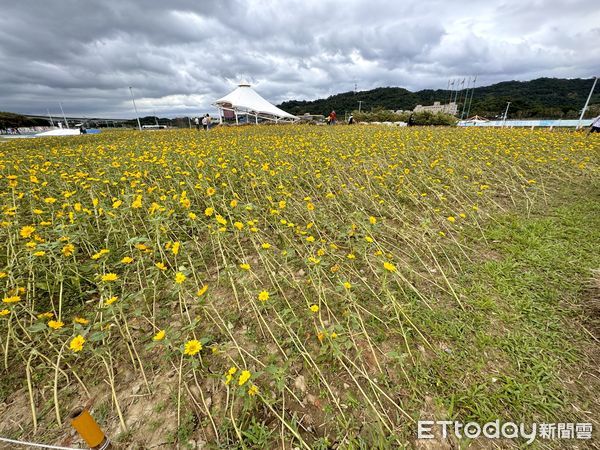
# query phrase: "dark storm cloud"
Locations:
[[181, 55]]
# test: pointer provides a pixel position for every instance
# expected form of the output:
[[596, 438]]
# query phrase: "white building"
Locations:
[[450, 108]]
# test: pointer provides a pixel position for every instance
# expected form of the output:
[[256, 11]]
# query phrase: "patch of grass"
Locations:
[[186, 428], [257, 435], [522, 329], [101, 412]]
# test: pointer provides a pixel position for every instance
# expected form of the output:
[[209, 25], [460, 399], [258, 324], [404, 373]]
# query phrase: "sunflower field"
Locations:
[[296, 286]]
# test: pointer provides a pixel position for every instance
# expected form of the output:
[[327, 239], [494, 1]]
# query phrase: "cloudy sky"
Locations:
[[180, 55]]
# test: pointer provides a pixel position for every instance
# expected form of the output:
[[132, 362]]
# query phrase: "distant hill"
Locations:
[[12, 120], [540, 98]]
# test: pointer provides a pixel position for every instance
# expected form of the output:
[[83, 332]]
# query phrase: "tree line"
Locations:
[[543, 98]]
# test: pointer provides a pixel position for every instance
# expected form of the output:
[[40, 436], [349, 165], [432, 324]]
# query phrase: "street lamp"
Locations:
[[135, 108]]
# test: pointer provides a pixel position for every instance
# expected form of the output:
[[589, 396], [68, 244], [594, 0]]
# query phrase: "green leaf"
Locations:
[[43, 286], [39, 326], [97, 336]]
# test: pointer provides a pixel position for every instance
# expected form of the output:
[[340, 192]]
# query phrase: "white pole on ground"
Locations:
[[135, 108], [63, 113], [359, 105], [586, 104], [50, 115], [505, 114], [190, 123]]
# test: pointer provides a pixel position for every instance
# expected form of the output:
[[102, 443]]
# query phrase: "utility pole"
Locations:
[[63, 113], [505, 114], [135, 108], [359, 105], [586, 104]]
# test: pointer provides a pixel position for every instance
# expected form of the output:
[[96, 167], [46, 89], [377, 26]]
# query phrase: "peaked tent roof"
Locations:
[[247, 100], [477, 119]]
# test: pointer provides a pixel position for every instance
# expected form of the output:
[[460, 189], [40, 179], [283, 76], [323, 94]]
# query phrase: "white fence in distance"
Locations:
[[526, 123]]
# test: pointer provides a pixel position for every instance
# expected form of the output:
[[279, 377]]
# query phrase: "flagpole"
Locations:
[[456, 91], [505, 114], [471, 99], [462, 88], [63, 113], [50, 115], [459, 96], [466, 97], [137, 116], [586, 104]]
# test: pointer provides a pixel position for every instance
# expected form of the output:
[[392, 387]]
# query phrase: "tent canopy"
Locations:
[[477, 119], [245, 100]]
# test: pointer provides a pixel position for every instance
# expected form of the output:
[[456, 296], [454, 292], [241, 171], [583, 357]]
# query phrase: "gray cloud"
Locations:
[[181, 55]]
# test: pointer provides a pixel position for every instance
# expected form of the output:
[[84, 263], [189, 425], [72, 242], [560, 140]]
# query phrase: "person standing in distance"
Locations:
[[206, 120], [332, 118], [595, 127]]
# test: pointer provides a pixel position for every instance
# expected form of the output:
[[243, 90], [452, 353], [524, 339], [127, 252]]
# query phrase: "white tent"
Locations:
[[245, 101], [477, 119]]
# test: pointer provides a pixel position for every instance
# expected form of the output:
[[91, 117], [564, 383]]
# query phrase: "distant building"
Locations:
[[307, 117], [450, 108]]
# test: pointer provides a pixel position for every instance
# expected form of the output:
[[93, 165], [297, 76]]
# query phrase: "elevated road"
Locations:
[[78, 119]]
